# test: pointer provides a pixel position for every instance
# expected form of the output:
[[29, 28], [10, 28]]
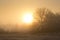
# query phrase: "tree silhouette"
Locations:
[[50, 22]]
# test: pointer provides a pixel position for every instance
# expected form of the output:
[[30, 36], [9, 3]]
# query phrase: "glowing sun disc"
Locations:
[[27, 18]]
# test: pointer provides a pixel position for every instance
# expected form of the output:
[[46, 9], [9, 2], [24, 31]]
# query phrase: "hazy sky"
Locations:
[[10, 10]]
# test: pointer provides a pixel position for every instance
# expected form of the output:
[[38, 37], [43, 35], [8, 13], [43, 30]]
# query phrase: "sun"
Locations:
[[27, 17]]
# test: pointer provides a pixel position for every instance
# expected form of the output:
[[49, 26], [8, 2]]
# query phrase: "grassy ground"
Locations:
[[41, 36]]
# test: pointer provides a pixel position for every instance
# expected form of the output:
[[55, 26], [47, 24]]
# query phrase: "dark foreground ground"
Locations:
[[42, 36]]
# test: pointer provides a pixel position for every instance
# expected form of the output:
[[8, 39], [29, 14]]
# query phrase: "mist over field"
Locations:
[[48, 21], [29, 19]]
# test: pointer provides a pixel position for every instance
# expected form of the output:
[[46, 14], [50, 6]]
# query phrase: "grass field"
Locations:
[[42, 36]]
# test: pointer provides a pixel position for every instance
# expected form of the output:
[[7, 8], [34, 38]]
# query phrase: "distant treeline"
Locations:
[[49, 22]]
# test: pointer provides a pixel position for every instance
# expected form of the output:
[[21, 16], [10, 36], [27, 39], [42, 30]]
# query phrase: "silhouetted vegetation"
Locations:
[[49, 23]]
